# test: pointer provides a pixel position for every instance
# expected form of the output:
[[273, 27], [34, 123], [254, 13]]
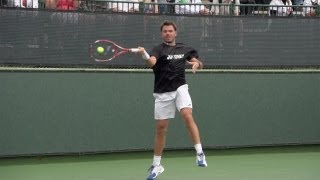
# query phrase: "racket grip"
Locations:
[[134, 50]]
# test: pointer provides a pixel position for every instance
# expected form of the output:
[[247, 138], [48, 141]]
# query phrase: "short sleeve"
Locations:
[[155, 52], [192, 54]]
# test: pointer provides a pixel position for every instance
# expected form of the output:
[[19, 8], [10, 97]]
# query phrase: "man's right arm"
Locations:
[[150, 60]]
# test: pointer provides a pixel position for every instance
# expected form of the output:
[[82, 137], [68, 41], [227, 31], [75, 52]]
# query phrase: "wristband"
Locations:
[[145, 55]]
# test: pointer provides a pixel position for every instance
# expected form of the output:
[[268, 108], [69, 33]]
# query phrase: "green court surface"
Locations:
[[267, 163]]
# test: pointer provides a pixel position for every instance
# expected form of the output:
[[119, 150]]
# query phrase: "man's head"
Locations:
[[168, 32]]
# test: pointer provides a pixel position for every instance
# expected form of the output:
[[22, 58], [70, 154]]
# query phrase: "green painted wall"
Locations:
[[81, 112]]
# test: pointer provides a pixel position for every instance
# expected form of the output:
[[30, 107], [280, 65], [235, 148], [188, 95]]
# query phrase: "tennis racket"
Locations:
[[106, 50]]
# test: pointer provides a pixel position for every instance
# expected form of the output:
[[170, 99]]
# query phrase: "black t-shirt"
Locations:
[[169, 69]]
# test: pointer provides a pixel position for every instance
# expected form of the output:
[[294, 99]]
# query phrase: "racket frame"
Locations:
[[117, 53]]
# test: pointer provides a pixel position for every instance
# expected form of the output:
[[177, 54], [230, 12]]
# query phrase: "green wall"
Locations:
[[82, 112]]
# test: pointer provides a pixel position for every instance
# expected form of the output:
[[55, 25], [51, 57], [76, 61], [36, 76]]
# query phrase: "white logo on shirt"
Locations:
[[176, 56]]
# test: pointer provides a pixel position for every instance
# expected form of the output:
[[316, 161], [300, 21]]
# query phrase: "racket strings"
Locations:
[[109, 51]]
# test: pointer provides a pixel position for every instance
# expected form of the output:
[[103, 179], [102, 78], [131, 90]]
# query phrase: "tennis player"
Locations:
[[168, 61]]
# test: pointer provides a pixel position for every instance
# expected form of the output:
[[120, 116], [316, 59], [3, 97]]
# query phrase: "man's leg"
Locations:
[[194, 134], [186, 114], [159, 144], [160, 137]]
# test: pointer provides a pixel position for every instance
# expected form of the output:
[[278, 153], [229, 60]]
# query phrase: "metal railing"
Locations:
[[165, 8]]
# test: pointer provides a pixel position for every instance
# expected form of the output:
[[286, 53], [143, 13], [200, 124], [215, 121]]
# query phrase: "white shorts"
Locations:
[[166, 103]]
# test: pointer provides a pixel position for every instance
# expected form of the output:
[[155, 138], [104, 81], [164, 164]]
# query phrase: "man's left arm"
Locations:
[[195, 64]]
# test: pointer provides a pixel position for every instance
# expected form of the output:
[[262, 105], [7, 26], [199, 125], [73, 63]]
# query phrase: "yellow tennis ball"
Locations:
[[100, 50]]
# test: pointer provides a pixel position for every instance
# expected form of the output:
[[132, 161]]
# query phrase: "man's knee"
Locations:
[[186, 113], [162, 126]]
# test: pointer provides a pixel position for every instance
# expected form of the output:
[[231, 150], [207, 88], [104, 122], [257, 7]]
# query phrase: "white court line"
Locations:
[[48, 69]]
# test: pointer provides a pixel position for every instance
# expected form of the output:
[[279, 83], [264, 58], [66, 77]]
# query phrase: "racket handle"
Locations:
[[134, 50]]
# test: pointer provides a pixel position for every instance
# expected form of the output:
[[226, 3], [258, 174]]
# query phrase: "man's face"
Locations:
[[168, 34]]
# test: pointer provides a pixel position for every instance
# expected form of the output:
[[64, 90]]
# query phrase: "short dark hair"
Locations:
[[168, 23]]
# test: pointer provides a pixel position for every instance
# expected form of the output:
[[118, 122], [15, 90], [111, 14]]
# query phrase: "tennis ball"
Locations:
[[100, 50]]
